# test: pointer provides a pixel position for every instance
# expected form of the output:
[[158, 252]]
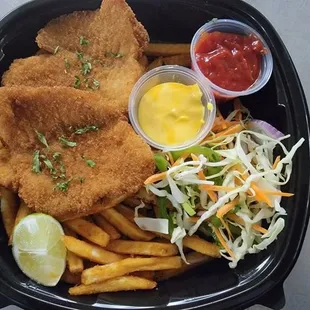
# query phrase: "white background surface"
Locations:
[[291, 18]]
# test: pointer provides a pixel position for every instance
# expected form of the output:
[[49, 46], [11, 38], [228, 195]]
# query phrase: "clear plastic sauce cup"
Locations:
[[176, 74], [232, 26]]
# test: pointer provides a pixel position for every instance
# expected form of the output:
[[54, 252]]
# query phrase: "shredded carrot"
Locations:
[[223, 242], [217, 188], [180, 159], [227, 228], [170, 158], [235, 218], [155, 178], [226, 208], [259, 228], [202, 177], [283, 194], [221, 118], [275, 164], [261, 195], [237, 106], [229, 131]]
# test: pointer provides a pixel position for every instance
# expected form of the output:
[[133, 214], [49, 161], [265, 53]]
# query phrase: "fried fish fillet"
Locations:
[[116, 79], [111, 51], [113, 28], [106, 165]]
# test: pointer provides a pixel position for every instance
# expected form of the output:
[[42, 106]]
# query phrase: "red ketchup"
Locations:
[[231, 61]]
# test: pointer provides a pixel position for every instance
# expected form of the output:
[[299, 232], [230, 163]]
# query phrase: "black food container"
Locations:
[[257, 279]]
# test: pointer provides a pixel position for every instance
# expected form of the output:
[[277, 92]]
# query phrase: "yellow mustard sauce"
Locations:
[[171, 113]]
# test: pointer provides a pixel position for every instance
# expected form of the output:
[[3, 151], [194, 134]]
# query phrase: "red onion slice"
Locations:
[[265, 128]]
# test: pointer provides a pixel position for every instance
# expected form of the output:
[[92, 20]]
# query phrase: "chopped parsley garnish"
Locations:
[[79, 55], [67, 64], [96, 84], [36, 164], [63, 186], [81, 131], [56, 50], [89, 162], [86, 67], [65, 142], [42, 138], [56, 156], [83, 41], [82, 180], [77, 82], [50, 166], [114, 55]]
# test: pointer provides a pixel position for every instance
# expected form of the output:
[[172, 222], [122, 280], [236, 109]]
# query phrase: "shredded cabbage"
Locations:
[[255, 207]]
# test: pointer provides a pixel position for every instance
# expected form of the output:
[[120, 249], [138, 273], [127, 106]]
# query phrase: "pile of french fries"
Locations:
[[168, 54], [108, 252]]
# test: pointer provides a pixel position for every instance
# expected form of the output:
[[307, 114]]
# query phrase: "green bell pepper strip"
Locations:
[[163, 212], [207, 152], [161, 163]]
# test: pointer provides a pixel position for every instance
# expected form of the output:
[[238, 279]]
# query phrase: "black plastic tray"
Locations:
[[281, 102]]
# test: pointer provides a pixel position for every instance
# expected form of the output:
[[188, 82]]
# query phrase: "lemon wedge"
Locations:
[[38, 249]]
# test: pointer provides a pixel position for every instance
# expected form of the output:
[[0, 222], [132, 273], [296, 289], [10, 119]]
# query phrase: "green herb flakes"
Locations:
[[42, 138], [114, 55], [77, 82], [63, 186], [36, 164], [56, 156], [65, 142], [83, 41], [79, 55], [81, 131], [86, 68], [89, 162], [96, 84]]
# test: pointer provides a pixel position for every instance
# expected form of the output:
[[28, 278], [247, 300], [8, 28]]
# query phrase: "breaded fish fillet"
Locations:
[[99, 51], [116, 79], [113, 28], [103, 168]]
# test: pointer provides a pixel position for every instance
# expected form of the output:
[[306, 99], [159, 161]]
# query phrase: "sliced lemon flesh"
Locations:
[[38, 248]]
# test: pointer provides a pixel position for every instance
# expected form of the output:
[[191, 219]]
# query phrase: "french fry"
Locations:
[[74, 262], [167, 49], [131, 202], [99, 274], [89, 231], [90, 252], [180, 60], [71, 278], [9, 207], [145, 196], [125, 226], [106, 226], [199, 245], [194, 259], [126, 212], [128, 283], [142, 248], [146, 274], [22, 212], [157, 62]]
